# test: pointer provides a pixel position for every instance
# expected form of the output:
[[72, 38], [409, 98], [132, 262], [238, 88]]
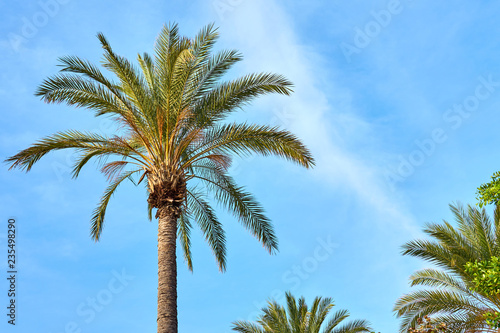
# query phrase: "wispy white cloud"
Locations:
[[328, 124]]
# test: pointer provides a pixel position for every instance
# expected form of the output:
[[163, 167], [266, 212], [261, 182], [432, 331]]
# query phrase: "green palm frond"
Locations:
[[429, 251], [97, 220], [436, 278], [188, 65], [244, 139], [354, 326], [81, 161], [131, 80], [297, 313], [148, 69], [460, 248], [475, 226], [274, 319], [184, 233], [84, 142], [90, 89], [337, 318], [245, 327], [319, 311], [209, 225], [220, 101], [75, 90], [238, 202], [76, 65], [206, 78]]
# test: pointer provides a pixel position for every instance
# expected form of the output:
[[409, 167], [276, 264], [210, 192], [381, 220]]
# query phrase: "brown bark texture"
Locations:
[[167, 270]]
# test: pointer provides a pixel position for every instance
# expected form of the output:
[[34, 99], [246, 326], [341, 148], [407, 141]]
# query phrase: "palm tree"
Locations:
[[450, 296], [298, 318], [171, 110]]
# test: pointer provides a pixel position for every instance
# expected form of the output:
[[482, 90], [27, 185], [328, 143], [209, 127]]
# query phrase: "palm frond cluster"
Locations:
[[449, 295], [298, 317]]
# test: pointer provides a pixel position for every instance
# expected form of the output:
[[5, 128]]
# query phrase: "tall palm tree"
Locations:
[[449, 296], [171, 109], [298, 318]]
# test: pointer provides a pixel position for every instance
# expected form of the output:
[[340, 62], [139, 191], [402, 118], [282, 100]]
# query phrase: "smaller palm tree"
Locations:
[[300, 319], [449, 295]]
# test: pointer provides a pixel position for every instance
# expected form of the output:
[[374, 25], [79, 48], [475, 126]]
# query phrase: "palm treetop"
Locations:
[[297, 317], [449, 295], [172, 108]]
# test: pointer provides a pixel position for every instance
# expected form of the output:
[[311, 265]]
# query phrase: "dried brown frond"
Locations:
[[222, 161], [113, 169]]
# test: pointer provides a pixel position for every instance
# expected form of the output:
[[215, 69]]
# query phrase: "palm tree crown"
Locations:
[[172, 109], [298, 318], [450, 297]]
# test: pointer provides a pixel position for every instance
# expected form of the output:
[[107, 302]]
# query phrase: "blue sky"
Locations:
[[398, 101]]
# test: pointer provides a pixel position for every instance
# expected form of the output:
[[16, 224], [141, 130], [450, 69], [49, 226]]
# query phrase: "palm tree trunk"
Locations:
[[167, 271]]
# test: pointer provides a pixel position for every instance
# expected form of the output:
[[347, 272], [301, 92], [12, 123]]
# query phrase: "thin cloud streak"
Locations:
[[272, 31]]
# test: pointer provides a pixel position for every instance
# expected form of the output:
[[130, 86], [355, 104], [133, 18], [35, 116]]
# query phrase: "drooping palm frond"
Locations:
[[298, 317], [246, 327], [237, 201], [209, 225], [184, 233], [354, 326], [449, 296], [88, 143], [169, 107], [97, 220]]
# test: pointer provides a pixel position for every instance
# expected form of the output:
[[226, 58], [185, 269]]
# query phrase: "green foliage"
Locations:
[[489, 193], [486, 279], [492, 318], [486, 275], [298, 317]]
